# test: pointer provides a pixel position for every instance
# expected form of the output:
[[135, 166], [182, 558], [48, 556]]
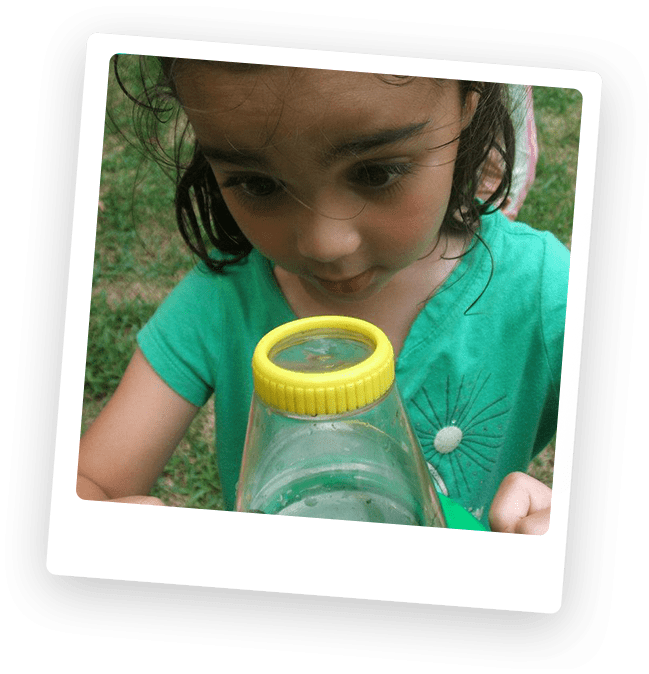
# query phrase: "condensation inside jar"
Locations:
[[323, 350]]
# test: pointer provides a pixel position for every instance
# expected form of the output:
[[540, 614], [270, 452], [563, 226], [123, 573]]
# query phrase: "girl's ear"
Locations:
[[470, 105]]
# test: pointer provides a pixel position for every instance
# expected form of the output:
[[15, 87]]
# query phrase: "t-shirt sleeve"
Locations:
[[175, 340], [553, 302]]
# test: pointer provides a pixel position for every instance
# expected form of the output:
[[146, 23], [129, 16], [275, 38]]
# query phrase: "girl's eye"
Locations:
[[253, 186], [377, 176]]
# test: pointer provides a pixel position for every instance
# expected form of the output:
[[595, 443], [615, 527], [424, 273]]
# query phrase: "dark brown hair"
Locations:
[[203, 218]]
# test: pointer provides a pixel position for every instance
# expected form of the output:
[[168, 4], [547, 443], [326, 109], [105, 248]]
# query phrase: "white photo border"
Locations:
[[294, 555]]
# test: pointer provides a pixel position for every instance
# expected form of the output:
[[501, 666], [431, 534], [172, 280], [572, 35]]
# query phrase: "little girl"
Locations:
[[315, 192]]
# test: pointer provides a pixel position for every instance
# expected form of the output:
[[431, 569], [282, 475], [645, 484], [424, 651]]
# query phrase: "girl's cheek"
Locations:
[[412, 218], [266, 234]]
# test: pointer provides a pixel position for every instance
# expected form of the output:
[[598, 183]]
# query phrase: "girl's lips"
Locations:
[[348, 286]]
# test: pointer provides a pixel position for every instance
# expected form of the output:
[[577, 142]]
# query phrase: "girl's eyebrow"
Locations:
[[371, 141], [357, 146], [234, 157]]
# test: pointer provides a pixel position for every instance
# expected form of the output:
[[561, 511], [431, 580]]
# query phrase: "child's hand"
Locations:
[[142, 500], [521, 506]]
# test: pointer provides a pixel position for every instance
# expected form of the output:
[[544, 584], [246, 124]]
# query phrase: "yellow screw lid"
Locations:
[[323, 365]]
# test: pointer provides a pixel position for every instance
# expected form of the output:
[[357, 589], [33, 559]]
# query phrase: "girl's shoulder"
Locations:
[[209, 319], [520, 248], [204, 301], [497, 225], [529, 272], [202, 283]]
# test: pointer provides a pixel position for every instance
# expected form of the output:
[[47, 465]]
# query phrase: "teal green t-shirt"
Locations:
[[479, 371]]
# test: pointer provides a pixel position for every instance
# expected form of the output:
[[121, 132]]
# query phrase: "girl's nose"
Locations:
[[325, 237]]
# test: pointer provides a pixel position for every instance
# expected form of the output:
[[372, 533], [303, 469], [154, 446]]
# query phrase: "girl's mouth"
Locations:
[[348, 286]]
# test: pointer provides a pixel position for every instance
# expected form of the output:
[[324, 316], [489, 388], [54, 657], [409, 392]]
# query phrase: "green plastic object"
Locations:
[[457, 517]]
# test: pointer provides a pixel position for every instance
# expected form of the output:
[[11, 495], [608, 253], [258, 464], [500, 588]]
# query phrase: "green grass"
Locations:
[[140, 257], [550, 202]]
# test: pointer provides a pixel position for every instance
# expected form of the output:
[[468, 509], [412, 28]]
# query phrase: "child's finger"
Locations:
[[536, 524], [518, 496], [140, 500]]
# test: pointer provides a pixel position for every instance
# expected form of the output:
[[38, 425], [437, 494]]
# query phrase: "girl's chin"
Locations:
[[350, 290]]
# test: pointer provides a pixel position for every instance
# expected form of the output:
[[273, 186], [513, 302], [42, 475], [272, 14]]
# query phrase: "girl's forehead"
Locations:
[[299, 98]]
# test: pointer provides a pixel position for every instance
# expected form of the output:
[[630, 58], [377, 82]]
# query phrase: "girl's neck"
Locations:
[[396, 306]]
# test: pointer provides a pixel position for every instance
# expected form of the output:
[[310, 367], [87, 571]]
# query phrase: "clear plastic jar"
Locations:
[[328, 435]]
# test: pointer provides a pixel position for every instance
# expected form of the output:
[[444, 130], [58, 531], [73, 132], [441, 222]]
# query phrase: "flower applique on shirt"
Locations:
[[461, 430]]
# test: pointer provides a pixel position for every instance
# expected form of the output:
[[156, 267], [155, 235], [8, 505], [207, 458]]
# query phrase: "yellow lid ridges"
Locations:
[[330, 392]]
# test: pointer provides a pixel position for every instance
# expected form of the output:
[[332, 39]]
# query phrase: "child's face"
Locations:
[[341, 179]]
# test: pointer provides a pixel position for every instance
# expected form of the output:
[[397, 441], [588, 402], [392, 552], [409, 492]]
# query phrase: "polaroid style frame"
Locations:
[[302, 555], [156, 574]]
